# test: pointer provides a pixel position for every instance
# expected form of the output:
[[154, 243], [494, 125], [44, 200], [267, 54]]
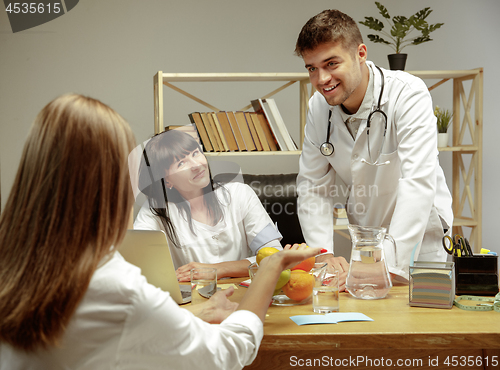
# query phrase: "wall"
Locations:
[[111, 50]]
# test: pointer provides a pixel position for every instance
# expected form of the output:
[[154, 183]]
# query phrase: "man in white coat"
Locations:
[[394, 177]]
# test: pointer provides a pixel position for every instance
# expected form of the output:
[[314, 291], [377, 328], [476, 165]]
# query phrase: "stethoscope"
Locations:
[[327, 148]]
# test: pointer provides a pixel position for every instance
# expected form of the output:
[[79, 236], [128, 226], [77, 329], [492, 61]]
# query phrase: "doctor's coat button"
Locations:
[[355, 156]]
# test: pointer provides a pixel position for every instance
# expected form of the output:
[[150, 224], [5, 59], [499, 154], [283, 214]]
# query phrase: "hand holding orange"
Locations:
[[306, 265]]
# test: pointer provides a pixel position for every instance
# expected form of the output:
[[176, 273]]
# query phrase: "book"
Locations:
[[253, 130], [260, 132], [260, 105], [227, 131], [267, 131], [269, 138], [210, 132], [212, 116], [236, 130], [188, 129], [281, 124], [195, 118], [245, 130]]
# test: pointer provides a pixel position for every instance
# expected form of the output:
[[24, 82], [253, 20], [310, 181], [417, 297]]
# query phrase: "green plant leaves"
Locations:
[[434, 27], [383, 10], [373, 23], [424, 13], [378, 39], [443, 119], [401, 27]]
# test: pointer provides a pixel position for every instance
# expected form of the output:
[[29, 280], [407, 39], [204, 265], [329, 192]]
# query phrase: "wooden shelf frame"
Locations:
[[166, 79], [463, 177]]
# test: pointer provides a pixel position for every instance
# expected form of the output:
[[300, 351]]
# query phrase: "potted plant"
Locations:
[[400, 33], [443, 122]]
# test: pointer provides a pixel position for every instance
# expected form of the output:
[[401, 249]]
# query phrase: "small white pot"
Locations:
[[442, 140]]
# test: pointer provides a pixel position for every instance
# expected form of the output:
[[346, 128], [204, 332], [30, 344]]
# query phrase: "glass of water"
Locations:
[[326, 294], [203, 284]]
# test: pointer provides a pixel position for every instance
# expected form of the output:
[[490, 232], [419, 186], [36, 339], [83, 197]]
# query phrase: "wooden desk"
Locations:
[[420, 338]]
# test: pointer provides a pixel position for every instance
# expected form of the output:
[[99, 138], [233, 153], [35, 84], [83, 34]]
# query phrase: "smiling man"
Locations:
[[375, 129]]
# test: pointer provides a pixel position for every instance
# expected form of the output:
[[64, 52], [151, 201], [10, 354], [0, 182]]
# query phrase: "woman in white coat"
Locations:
[[207, 224], [391, 167]]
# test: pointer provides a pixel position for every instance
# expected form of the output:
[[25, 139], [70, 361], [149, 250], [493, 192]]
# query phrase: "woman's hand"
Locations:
[[224, 269], [259, 293], [184, 272], [217, 308], [291, 255]]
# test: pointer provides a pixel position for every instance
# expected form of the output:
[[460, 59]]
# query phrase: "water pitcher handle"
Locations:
[[391, 239]]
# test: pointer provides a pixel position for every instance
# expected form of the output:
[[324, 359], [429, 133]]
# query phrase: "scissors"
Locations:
[[458, 246]]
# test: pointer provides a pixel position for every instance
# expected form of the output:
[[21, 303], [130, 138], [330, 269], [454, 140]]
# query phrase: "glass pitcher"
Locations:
[[368, 276]]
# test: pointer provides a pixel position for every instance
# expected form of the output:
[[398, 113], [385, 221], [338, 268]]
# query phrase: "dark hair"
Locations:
[[328, 26], [158, 155], [70, 203]]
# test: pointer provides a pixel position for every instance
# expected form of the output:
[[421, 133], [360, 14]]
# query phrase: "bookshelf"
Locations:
[[467, 130]]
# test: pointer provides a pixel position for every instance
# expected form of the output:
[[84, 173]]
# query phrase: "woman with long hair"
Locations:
[[68, 300], [207, 223]]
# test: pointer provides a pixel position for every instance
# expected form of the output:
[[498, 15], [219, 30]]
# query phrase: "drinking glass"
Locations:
[[203, 284], [326, 292]]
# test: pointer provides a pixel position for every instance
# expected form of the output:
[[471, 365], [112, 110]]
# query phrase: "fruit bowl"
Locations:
[[298, 287]]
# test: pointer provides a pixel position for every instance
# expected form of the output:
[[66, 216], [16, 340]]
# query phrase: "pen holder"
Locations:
[[432, 284], [477, 275]]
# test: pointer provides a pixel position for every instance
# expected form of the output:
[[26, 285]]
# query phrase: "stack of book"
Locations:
[[262, 130]]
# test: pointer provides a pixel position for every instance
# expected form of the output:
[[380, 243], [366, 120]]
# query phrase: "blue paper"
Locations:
[[329, 318]]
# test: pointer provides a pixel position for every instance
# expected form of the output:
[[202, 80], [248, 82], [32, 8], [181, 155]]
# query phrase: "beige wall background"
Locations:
[[111, 50]]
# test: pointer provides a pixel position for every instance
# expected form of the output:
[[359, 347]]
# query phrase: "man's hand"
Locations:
[[217, 308], [340, 264]]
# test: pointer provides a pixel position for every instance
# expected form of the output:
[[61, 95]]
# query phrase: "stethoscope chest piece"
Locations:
[[326, 148]]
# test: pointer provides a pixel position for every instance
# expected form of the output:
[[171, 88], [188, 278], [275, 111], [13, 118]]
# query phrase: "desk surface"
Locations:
[[395, 325]]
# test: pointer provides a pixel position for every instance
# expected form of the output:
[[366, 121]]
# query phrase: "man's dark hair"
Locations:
[[328, 26]]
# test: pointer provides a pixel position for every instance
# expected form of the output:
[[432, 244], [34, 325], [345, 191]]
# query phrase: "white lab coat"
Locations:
[[125, 323], [245, 229], [409, 196]]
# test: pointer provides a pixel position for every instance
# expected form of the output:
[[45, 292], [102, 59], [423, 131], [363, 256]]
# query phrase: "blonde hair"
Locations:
[[68, 206]]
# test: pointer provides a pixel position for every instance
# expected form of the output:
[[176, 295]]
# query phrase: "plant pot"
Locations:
[[397, 62], [442, 139]]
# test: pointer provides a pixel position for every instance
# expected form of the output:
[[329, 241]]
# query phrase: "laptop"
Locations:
[[148, 250]]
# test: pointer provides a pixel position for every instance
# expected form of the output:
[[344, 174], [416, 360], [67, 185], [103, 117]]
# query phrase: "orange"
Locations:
[[265, 252], [300, 285], [306, 265]]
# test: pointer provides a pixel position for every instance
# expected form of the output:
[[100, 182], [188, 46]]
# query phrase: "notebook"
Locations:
[[148, 250]]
